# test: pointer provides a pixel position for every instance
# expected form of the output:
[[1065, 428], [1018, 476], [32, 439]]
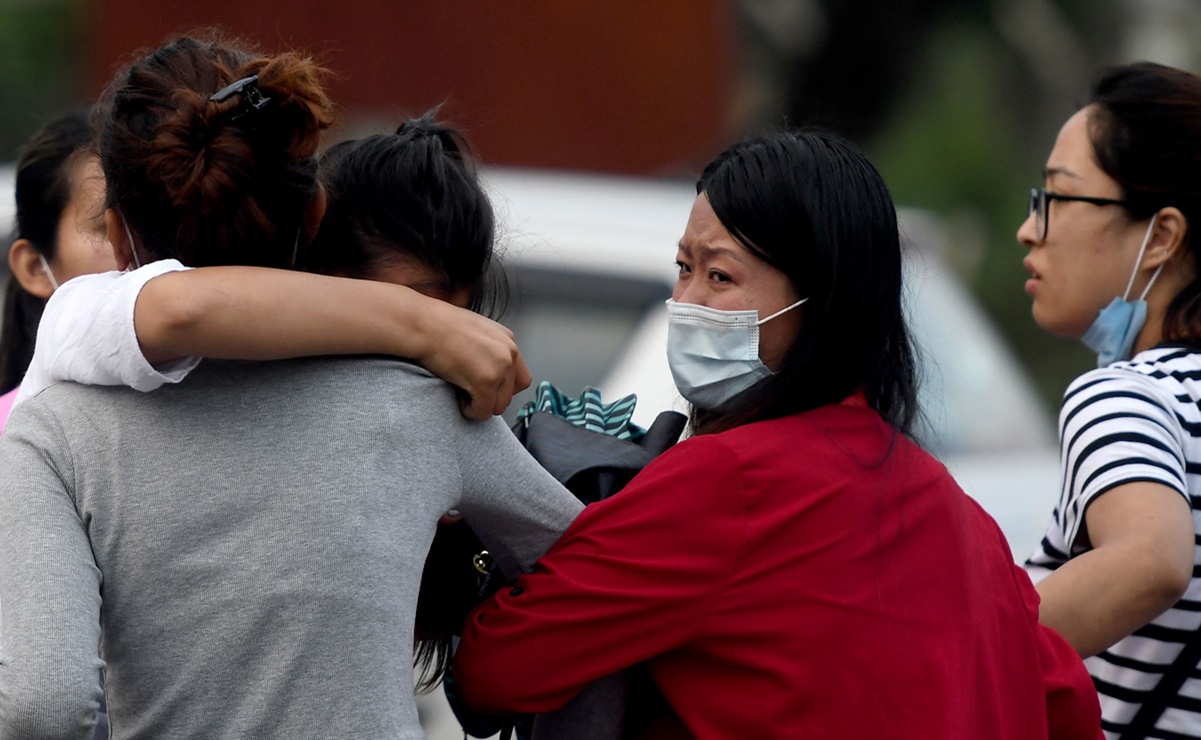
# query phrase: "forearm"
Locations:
[[260, 314], [1105, 594], [251, 313]]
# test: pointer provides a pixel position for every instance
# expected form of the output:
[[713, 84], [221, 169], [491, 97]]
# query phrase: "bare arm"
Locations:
[[1140, 565], [261, 314]]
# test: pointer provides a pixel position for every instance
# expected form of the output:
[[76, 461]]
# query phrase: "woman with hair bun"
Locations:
[[257, 533], [1113, 261]]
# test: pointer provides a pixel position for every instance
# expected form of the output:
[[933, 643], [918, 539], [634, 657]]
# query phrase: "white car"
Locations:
[[591, 259]]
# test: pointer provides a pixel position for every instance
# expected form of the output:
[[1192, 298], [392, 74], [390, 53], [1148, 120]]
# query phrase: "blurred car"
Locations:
[[591, 261]]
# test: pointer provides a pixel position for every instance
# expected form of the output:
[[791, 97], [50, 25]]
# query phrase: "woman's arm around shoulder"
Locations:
[[264, 314]]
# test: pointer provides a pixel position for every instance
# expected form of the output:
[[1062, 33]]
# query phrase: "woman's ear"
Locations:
[[114, 229], [1167, 240], [28, 270]]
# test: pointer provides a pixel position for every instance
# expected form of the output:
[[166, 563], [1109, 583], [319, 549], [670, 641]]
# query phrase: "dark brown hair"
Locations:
[[1145, 129], [207, 182], [43, 193]]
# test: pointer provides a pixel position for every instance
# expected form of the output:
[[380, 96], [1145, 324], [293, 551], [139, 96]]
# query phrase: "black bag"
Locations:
[[458, 574]]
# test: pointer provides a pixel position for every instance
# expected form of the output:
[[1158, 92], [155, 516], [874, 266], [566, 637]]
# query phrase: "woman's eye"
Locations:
[[719, 277], [683, 268]]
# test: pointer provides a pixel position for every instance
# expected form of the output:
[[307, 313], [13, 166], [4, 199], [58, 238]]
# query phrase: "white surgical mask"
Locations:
[[48, 271], [714, 354]]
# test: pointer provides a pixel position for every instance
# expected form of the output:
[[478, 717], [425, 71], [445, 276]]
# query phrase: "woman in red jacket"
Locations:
[[799, 567]]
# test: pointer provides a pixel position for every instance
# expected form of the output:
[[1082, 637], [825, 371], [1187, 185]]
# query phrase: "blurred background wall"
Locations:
[[957, 101]]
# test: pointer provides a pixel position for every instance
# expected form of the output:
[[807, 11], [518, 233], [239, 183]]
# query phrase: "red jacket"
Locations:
[[816, 576]]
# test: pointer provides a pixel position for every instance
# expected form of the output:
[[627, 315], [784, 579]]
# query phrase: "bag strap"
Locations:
[[1167, 688]]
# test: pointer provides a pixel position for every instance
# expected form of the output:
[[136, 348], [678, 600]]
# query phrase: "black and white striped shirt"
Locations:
[[1134, 421]]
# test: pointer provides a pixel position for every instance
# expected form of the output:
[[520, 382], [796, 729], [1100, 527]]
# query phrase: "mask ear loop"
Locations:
[[782, 311], [46, 269], [1142, 250], [133, 248]]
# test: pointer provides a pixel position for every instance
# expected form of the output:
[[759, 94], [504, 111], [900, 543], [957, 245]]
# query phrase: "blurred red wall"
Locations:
[[621, 86]]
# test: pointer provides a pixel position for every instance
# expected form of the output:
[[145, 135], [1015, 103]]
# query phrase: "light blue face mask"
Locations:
[[714, 354], [1117, 325]]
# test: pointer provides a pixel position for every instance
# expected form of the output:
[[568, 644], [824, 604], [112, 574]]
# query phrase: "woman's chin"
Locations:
[[1056, 325]]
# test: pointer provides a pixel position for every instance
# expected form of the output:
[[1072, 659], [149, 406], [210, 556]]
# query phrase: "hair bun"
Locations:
[[448, 140], [415, 127], [215, 181]]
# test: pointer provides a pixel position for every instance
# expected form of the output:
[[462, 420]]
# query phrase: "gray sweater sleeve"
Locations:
[[517, 508], [49, 587]]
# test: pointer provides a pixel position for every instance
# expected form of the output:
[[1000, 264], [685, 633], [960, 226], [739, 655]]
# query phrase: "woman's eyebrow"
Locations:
[[708, 251], [711, 251], [1050, 172]]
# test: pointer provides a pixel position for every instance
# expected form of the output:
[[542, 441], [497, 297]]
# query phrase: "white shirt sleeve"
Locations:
[[87, 335]]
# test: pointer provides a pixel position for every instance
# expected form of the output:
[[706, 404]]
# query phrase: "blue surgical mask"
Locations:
[[1117, 325], [714, 354]]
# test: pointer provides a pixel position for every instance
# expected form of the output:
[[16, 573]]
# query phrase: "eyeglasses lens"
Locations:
[[1038, 206]]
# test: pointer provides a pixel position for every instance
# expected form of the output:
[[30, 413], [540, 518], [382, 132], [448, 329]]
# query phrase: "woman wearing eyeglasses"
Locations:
[[1113, 262]]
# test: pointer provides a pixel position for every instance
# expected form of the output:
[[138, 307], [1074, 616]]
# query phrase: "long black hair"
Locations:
[[1145, 128], [810, 205], [415, 193], [43, 193]]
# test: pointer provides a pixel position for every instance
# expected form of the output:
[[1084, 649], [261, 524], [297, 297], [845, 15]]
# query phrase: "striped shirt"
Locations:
[[1129, 422]]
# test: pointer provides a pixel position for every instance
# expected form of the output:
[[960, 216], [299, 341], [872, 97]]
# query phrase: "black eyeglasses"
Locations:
[[1039, 197]]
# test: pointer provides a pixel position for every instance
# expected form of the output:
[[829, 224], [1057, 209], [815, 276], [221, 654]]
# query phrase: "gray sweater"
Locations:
[[250, 541]]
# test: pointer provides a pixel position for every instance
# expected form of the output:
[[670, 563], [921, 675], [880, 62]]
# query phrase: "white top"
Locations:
[[87, 335], [1128, 422]]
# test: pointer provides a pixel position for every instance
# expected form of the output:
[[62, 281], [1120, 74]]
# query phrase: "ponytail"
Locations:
[[413, 194]]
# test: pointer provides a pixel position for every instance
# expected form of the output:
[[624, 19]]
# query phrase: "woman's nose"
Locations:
[[1028, 232], [688, 292]]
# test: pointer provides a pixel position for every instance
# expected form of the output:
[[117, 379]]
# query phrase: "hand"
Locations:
[[476, 354]]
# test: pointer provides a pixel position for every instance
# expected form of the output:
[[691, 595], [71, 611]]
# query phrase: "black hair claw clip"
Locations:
[[248, 88]]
